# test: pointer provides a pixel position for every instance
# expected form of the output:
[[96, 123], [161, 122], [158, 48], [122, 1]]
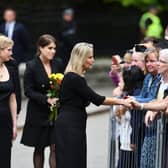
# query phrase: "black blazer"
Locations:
[[36, 84], [21, 41]]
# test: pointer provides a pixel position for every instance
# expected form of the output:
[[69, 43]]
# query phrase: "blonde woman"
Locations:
[[75, 95], [8, 106]]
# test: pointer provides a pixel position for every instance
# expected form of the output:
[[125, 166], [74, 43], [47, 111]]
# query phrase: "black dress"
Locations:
[[6, 89], [38, 132], [70, 126]]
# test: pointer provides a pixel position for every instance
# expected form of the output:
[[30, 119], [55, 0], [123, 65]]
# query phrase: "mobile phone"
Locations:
[[140, 48]]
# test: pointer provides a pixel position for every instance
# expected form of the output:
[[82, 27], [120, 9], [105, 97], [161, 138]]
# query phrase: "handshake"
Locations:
[[155, 105], [131, 103]]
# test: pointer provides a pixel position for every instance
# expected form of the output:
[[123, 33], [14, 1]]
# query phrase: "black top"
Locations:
[[16, 82], [6, 89], [76, 93]]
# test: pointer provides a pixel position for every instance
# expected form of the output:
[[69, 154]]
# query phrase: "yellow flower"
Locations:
[[59, 76], [52, 76]]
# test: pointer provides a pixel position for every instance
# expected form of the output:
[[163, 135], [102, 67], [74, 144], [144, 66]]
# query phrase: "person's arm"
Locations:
[[150, 117], [116, 101], [115, 77], [13, 109], [157, 105], [88, 94]]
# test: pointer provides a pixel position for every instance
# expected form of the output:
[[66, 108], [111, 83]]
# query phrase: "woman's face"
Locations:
[[48, 52], [6, 54], [88, 62], [163, 65], [152, 63]]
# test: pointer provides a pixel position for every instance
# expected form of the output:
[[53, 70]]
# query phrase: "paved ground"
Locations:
[[97, 134]]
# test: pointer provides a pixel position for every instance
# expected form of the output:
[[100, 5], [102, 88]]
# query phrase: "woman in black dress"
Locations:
[[8, 105], [75, 95], [38, 131]]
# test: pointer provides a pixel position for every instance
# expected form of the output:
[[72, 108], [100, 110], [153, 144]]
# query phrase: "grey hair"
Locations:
[[164, 54]]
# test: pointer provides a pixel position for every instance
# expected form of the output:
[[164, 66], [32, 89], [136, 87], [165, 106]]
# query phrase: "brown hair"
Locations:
[[43, 41]]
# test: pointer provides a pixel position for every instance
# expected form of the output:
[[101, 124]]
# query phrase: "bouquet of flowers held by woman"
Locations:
[[55, 83]]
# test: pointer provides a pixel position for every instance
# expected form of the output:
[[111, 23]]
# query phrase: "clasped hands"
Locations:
[[52, 101], [131, 103]]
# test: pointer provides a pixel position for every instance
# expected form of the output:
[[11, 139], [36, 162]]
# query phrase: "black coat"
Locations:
[[36, 84], [21, 41]]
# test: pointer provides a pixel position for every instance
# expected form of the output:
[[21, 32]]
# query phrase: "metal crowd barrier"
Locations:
[[151, 149]]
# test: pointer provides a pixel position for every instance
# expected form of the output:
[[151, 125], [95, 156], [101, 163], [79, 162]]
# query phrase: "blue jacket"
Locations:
[[150, 88]]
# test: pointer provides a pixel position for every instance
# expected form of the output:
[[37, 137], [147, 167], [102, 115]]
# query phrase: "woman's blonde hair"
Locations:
[[79, 54], [5, 42], [152, 51]]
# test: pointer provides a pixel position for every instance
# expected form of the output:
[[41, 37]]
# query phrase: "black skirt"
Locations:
[[70, 135], [38, 136]]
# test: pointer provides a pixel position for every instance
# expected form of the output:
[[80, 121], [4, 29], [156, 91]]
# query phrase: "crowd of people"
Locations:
[[139, 100], [139, 135]]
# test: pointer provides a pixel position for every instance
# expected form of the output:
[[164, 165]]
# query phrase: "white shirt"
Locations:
[[9, 27], [162, 88], [125, 131]]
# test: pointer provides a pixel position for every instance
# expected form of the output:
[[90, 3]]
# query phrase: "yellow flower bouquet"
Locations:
[[55, 80]]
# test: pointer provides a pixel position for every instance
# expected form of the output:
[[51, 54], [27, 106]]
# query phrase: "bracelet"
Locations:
[[142, 106]]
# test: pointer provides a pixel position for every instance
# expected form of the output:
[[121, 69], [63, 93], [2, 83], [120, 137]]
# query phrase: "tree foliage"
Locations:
[[140, 3]]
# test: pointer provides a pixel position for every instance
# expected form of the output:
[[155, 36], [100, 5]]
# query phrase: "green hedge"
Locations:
[[142, 4]]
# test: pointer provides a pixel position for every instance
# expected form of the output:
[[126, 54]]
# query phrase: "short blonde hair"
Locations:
[[127, 57], [5, 42], [79, 54]]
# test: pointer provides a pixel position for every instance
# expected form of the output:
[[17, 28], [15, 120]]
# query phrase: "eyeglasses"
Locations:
[[149, 50], [163, 62]]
